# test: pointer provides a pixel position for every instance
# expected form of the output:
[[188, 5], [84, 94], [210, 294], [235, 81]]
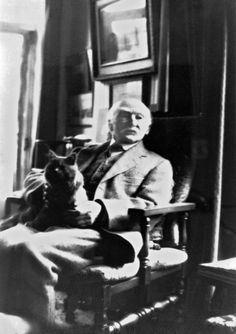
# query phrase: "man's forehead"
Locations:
[[131, 110]]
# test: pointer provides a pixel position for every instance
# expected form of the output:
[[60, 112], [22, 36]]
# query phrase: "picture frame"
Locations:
[[122, 38]]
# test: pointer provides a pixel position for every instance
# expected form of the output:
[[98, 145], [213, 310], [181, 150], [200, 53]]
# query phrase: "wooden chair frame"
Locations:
[[104, 292]]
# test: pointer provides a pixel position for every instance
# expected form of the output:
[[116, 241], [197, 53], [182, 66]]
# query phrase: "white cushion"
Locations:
[[166, 257], [113, 274], [159, 259]]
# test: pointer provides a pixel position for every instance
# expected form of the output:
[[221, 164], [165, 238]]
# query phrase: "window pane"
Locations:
[[10, 64], [29, 12]]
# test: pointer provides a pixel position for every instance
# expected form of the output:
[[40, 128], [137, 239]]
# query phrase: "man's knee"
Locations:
[[34, 264], [14, 236]]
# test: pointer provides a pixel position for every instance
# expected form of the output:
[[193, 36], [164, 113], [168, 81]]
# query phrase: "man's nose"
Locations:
[[133, 120]]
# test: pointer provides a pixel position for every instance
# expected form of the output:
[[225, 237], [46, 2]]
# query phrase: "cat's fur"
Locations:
[[63, 190]]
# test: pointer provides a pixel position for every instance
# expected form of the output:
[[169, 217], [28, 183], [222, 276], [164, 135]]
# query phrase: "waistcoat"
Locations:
[[97, 169]]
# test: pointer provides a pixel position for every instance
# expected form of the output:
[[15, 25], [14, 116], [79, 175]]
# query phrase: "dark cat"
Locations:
[[63, 189]]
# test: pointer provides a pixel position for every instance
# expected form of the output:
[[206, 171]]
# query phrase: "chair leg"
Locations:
[[69, 307], [101, 304], [131, 320]]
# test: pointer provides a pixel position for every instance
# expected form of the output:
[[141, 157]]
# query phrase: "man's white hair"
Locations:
[[129, 104]]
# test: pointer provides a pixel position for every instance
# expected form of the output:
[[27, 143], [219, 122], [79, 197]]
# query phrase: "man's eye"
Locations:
[[139, 116], [123, 118]]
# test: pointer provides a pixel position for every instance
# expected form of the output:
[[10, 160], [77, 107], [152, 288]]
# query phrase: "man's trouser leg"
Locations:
[[31, 262]]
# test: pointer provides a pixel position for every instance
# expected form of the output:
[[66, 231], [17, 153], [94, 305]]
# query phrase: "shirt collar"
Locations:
[[125, 147]]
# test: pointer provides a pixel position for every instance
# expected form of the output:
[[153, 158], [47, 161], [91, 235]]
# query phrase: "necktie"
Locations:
[[100, 167], [115, 149]]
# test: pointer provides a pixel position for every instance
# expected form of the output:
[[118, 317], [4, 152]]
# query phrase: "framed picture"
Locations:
[[122, 37]]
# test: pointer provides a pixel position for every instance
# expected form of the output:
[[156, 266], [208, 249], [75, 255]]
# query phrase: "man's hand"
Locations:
[[87, 215]]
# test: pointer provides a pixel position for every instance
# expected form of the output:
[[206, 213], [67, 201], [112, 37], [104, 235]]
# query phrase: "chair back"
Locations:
[[172, 138]]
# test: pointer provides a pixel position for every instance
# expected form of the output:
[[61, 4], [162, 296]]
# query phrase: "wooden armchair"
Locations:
[[122, 297]]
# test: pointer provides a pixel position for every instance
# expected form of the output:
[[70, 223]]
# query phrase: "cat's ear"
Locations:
[[51, 155], [71, 159]]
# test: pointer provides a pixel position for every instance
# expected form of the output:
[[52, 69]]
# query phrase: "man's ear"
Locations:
[[51, 155], [148, 130]]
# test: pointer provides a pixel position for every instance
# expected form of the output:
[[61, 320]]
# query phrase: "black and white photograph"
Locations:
[[117, 167]]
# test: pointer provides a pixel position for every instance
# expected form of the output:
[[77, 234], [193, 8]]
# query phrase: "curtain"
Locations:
[[218, 105], [209, 31]]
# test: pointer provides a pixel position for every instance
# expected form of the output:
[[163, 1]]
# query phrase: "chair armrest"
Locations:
[[159, 210], [142, 218], [13, 202]]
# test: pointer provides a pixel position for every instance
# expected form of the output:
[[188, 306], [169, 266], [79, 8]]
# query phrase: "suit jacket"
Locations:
[[138, 179]]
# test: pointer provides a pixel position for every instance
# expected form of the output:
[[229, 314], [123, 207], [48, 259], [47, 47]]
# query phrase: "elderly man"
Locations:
[[118, 175]]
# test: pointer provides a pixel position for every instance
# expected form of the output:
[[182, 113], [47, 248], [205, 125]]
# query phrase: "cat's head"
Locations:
[[63, 171], [70, 159]]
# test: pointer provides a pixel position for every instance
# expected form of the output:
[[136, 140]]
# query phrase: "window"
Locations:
[[21, 30]]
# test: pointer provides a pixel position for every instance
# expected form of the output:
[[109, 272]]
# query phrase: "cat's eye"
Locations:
[[71, 159]]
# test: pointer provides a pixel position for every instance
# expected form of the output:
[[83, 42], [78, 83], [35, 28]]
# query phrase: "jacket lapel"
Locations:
[[128, 160], [87, 155]]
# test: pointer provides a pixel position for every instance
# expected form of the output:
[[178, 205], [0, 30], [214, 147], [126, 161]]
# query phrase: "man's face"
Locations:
[[129, 127]]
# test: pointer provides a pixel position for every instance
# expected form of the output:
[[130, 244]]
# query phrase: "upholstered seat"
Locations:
[[105, 273], [166, 258], [163, 258]]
